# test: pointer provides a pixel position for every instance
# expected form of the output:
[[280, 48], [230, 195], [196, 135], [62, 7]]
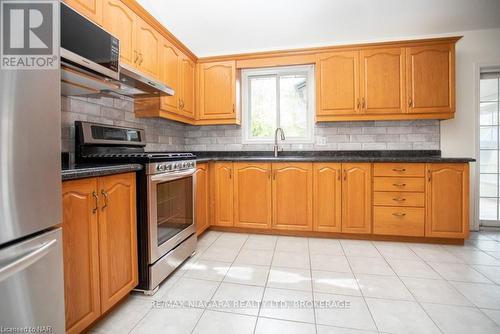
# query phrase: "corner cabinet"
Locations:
[[356, 198], [100, 246], [447, 202], [252, 195], [292, 196], [217, 93]]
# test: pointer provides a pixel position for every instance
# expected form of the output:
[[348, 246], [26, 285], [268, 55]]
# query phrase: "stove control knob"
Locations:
[[168, 167]]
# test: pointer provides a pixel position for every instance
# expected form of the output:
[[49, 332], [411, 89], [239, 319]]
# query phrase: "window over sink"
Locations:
[[278, 97]]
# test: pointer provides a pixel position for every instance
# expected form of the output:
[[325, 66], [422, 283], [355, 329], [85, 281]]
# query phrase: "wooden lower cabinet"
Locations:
[[252, 195], [447, 200], [81, 254], [202, 198], [223, 194], [292, 196], [117, 238], [356, 198], [327, 197], [396, 199], [100, 246]]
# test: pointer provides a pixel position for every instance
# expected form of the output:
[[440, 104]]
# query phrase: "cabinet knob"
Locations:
[[105, 194], [399, 169], [399, 199], [399, 184], [410, 102], [399, 214]]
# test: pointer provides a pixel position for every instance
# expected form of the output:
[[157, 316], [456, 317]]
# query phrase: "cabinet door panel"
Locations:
[[337, 85], [117, 237], [327, 199], [383, 81], [431, 78], [81, 257], [120, 21], [187, 89], [92, 9], [292, 196], [148, 46], [447, 192], [217, 90], [356, 198], [223, 194], [202, 218], [252, 195], [170, 73]]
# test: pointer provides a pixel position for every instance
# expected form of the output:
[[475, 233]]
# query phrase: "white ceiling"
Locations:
[[216, 27]]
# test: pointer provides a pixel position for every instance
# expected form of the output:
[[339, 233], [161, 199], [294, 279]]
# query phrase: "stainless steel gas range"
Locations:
[[165, 196]]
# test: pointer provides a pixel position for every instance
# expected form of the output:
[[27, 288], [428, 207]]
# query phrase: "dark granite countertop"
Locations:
[[80, 171], [331, 156]]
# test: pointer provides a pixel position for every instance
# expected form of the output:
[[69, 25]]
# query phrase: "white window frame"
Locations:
[[278, 71]]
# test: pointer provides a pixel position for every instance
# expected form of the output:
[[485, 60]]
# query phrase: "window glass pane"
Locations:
[[488, 185], [488, 90], [262, 106], [488, 161], [488, 113], [488, 137], [293, 105], [488, 208]]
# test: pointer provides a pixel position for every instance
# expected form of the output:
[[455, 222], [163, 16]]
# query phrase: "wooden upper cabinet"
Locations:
[[447, 201], [337, 84], [431, 78], [120, 21], [187, 87], [92, 9], [81, 256], [382, 81], [202, 198], [170, 74], [292, 196], [223, 193], [117, 238], [217, 90], [327, 197], [356, 198], [252, 195], [148, 49]]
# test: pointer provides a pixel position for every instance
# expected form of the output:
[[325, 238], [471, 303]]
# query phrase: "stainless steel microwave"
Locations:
[[86, 44]]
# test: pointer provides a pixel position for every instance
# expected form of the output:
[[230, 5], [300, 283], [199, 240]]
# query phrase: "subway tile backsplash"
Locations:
[[165, 135]]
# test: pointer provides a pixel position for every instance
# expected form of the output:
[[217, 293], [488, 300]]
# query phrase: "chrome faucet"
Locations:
[[276, 146]]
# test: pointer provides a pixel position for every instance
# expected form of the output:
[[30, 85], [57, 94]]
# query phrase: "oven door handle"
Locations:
[[172, 175]]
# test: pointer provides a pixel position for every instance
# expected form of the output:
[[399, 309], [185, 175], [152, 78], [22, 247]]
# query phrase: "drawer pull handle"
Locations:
[[399, 199], [399, 169], [399, 184], [399, 214]]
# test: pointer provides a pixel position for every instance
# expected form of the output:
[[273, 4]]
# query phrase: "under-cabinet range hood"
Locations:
[[79, 81], [90, 62]]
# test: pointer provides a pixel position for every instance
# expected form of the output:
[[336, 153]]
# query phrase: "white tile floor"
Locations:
[[377, 287]]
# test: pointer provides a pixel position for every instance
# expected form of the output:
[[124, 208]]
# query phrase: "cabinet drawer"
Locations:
[[398, 221], [398, 169], [389, 198], [399, 184]]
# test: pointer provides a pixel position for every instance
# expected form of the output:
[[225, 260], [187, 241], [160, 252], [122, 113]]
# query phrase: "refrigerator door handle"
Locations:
[[25, 261]]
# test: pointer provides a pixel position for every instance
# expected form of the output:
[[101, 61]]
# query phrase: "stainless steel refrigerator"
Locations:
[[31, 264]]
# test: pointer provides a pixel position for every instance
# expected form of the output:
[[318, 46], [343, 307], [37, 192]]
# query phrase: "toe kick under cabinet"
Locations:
[[99, 245], [381, 200]]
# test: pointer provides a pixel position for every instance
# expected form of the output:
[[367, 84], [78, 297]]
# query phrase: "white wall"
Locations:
[[459, 136]]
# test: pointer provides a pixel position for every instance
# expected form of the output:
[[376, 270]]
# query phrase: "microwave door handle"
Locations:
[[172, 176], [25, 261]]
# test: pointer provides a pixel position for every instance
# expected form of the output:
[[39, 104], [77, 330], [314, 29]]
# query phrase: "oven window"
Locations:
[[174, 207]]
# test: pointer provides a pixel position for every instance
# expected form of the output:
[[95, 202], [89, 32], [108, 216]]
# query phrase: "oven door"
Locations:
[[170, 211]]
